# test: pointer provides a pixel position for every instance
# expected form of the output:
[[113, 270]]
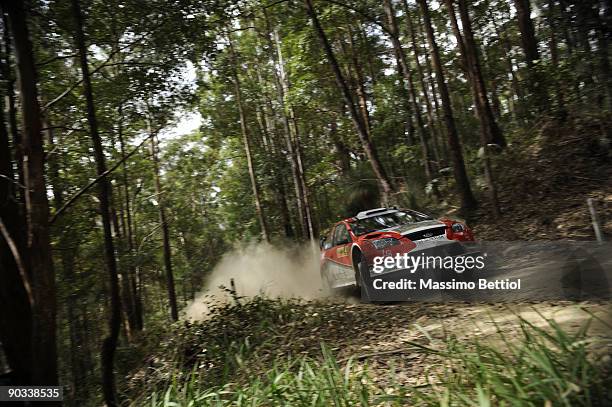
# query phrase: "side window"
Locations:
[[330, 237], [341, 235], [329, 240]]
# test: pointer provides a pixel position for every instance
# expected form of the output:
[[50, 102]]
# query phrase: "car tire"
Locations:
[[362, 282]]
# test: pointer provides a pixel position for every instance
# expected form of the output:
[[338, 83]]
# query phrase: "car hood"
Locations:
[[414, 227]]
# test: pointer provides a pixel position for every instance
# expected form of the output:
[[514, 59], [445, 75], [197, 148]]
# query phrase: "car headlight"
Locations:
[[458, 227], [385, 242]]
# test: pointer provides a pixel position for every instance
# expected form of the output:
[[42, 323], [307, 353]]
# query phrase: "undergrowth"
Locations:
[[534, 366]]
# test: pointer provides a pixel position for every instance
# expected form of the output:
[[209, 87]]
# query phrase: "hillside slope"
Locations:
[[545, 179]]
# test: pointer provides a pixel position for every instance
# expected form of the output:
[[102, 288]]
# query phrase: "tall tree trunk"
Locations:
[[570, 40], [15, 294], [495, 101], [109, 344], [430, 80], [9, 81], [135, 308], [280, 83], [368, 55], [461, 179], [265, 119], [362, 98], [247, 146], [516, 88], [384, 182], [528, 39], [302, 172], [431, 121], [604, 28], [293, 141], [67, 251], [163, 221], [565, 27], [404, 70], [341, 150], [582, 11], [529, 44], [489, 131], [42, 276], [554, 56]]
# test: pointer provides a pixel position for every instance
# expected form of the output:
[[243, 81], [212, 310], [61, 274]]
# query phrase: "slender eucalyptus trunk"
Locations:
[[265, 119], [604, 27], [430, 80], [9, 80], [431, 121], [67, 251], [554, 56], [489, 131], [280, 84], [135, 306], [461, 179], [109, 344], [517, 92], [247, 147], [163, 221], [528, 40], [529, 44], [302, 172], [359, 81], [404, 70], [583, 18], [384, 181], [565, 21], [343, 154], [293, 142]]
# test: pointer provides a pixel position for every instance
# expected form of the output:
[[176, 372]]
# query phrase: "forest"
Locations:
[[299, 113]]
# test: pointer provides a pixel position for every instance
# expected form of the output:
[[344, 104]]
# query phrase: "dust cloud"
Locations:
[[260, 269]]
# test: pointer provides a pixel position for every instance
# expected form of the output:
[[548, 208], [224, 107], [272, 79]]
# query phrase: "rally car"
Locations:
[[348, 249]]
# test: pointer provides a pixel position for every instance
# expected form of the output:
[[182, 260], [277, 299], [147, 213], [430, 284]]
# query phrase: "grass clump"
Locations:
[[542, 367], [302, 382]]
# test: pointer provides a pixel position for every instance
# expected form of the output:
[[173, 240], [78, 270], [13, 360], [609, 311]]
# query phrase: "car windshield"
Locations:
[[385, 221]]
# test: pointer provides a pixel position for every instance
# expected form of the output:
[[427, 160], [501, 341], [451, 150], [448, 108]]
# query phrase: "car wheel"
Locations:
[[362, 280]]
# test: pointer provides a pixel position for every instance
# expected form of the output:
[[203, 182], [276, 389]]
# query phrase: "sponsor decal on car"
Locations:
[[428, 239], [342, 251]]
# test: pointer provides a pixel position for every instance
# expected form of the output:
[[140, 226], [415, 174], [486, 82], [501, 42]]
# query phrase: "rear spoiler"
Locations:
[[372, 212]]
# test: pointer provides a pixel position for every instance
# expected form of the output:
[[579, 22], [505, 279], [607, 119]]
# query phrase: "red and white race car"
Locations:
[[348, 250]]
